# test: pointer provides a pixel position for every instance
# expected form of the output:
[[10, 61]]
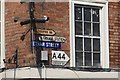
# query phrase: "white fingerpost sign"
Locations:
[[59, 58], [52, 38]]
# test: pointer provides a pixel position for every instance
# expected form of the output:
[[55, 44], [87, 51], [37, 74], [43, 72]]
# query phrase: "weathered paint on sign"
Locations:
[[46, 32], [52, 38]]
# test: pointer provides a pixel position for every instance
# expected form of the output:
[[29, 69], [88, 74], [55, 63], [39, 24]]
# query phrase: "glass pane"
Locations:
[[79, 44], [78, 13], [96, 29], [87, 28], [87, 14], [96, 44], [88, 59], [96, 59], [79, 59], [78, 28], [87, 44], [95, 13]]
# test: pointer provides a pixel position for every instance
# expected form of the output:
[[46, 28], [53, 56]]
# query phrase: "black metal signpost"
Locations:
[[32, 20]]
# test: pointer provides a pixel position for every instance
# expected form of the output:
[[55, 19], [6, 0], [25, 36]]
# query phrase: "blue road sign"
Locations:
[[46, 44]]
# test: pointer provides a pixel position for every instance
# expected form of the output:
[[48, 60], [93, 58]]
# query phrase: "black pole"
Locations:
[[33, 29], [37, 51], [31, 13], [15, 61], [14, 73], [32, 22]]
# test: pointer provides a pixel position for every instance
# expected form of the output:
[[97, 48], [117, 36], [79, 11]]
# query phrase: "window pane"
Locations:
[[79, 44], [96, 59], [78, 13], [96, 44], [87, 33], [96, 29], [87, 14], [87, 44], [87, 28], [95, 13], [78, 28], [79, 59], [88, 59]]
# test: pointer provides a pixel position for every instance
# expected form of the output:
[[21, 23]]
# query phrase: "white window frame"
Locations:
[[104, 31], [2, 33]]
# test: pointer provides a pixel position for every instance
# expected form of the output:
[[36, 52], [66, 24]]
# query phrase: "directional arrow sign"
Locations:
[[46, 32], [52, 38], [59, 58]]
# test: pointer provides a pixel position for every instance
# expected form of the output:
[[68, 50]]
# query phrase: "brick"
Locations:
[[59, 20]]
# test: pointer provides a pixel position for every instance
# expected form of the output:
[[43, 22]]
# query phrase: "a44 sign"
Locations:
[[59, 58]]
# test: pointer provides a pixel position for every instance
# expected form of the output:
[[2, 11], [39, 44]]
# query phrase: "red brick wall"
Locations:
[[114, 30], [58, 14], [59, 22], [13, 32]]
